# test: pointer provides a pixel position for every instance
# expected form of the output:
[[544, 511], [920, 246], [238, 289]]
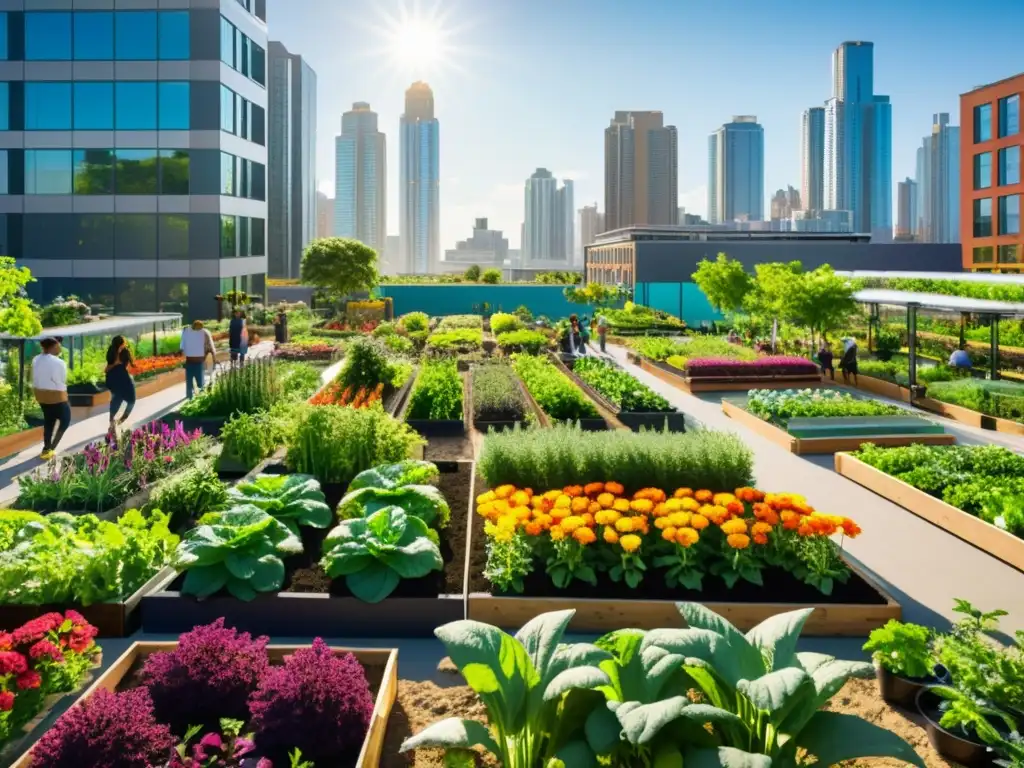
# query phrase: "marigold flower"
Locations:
[[501, 505], [504, 491], [606, 517], [606, 500], [484, 498], [790, 520], [588, 519], [552, 495], [723, 499], [507, 523], [610, 535], [683, 493], [655, 495], [823, 525], [738, 540], [557, 533], [593, 508], [615, 489], [760, 538], [521, 513], [486, 509], [687, 537], [850, 528], [584, 536], [544, 520], [699, 522], [716, 515], [760, 529], [580, 504], [674, 505], [571, 523], [735, 508], [573, 490], [592, 489], [560, 513], [661, 523], [621, 505], [533, 528], [805, 529], [660, 510], [630, 542], [703, 496], [624, 524], [691, 505], [802, 508], [765, 513], [679, 519], [563, 502], [643, 506], [669, 533], [730, 527], [640, 524], [519, 499]]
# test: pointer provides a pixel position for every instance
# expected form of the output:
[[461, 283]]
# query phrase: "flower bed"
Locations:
[[436, 405], [764, 367], [635, 404], [151, 366], [354, 397], [251, 703], [555, 393], [98, 567], [307, 351], [392, 565]]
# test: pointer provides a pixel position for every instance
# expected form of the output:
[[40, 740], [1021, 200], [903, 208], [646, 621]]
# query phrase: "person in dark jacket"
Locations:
[[825, 358], [238, 338], [848, 363], [119, 380], [281, 327]]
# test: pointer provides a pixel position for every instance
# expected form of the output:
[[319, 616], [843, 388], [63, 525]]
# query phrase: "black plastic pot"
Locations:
[[900, 691], [954, 747]]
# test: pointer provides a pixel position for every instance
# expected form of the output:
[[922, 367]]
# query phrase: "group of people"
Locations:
[[580, 333], [847, 363], [50, 375]]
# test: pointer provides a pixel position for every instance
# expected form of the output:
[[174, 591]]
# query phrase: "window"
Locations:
[[227, 109], [48, 172], [174, 229], [241, 53], [174, 171], [240, 121], [259, 237], [3, 37], [983, 254], [94, 36], [94, 171], [172, 295], [94, 106], [242, 230], [1009, 215], [174, 36], [5, 183], [94, 236], [228, 240], [983, 217], [1009, 115], [257, 181], [258, 69], [227, 174], [258, 125], [174, 106], [982, 122], [136, 106], [227, 42], [47, 36], [135, 294], [1009, 165], [983, 170], [47, 106], [137, 172], [1007, 254], [134, 237], [5, 106], [136, 35]]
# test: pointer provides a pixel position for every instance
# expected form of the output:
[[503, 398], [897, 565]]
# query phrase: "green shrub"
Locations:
[[502, 322], [554, 392], [619, 387], [414, 321], [523, 313], [455, 340], [385, 329], [887, 344], [451, 322], [249, 438], [497, 395], [1002, 399], [399, 344], [255, 386], [472, 274], [491, 276], [523, 340], [566, 455], [437, 394], [189, 495], [368, 364]]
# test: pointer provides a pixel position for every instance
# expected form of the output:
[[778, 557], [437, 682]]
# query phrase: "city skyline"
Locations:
[[492, 139]]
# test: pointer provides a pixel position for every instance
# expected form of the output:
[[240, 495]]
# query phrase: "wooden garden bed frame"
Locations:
[[996, 542], [970, 417], [726, 383], [808, 445], [16, 442], [373, 744]]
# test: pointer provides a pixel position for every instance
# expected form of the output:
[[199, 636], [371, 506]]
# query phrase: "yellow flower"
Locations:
[[734, 526], [552, 495], [560, 513], [483, 498], [504, 491], [630, 542], [661, 523], [521, 513], [621, 505], [606, 517], [683, 493], [643, 506], [557, 534], [738, 540], [669, 534], [699, 522], [507, 522], [687, 537], [723, 499], [584, 536], [519, 499], [593, 508], [679, 519], [486, 509], [624, 525], [660, 510], [571, 523], [691, 505], [674, 505], [580, 504], [563, 502], [610, 536], [606, 500]]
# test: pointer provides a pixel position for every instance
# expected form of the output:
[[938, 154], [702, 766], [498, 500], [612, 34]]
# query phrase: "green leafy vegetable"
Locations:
[[397, 485], [437, 395], [622, 389], [554, 392], [295, 500], [397, 475]]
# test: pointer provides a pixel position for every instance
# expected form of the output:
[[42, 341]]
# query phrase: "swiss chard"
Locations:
[[295, 500]]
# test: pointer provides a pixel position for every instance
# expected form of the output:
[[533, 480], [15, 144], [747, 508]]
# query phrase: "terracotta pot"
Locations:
[[900, 691], [957, 748]]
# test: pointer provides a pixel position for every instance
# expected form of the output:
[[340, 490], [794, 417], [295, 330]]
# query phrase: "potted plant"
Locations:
[[904, 661], [887, 344]]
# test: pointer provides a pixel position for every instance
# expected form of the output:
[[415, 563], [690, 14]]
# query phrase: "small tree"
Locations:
[[472, 274], [820, 301], [724, 282], [17, 315], [340, 266], [597, 294], [491, 276]]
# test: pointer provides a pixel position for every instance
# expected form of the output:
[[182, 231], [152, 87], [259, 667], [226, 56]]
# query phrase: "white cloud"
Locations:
[[695, 200]]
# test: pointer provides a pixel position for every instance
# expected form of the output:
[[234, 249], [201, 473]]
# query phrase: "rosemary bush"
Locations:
[[253, 387]]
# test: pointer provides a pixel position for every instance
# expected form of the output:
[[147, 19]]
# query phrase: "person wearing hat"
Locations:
[[50, 384], [848, 363]]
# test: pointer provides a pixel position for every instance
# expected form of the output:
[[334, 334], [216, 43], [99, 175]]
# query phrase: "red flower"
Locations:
[[12, 662], [47, 649], [29, 679], [6, 701], [75, 617], [6, 641]]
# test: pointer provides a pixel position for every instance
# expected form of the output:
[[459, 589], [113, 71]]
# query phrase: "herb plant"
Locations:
[[295, 500], [554, 392], [240, 550], [1002, 399], [453, 322], [189, 495], [455, 340], [254, 387], [502, 322], [523, 340], [249, 438], [368, 363], [903, 649], [497, 395], [414, 321], [437, 394], [619, 387]]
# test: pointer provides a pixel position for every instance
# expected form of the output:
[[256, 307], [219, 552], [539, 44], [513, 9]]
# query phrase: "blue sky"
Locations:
[[533, 83]]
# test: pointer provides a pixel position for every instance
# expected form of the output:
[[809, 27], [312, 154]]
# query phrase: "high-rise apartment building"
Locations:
[[858, 143], [990, 180], [784, 202], [938, 184], [134, 160], [360, 180], [324, 215], [812, 159], [419, 196], [291, 147], [591, 225], [906, 209], [549, 224], [736, 171], [641, 170]]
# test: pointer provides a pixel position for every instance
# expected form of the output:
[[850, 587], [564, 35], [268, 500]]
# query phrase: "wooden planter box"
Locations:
[[808, 445], [111, 619], [439, 428], [967, 416], [160, 382], [995, 541], [16, 442], [679, 380], [373, 744], [486, 426], [878, 387], [87, 395]]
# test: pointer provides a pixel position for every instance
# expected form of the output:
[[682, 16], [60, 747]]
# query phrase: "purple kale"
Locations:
[[317, 702], [110, 730], [780, 365], [209, 676]]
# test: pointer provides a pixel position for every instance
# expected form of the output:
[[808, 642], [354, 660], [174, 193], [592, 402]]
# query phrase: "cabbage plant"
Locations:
[[295, 500], [397, 485]]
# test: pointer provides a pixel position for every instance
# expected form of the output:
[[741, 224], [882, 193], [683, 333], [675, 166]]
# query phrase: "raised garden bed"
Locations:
[[16, 442], [549, 372], [311, 604], [439, 427], [92, 395], [970, 417], [988, 538], [381, 666], [532, 410], [678, 379], [880, 387], [843, 433]]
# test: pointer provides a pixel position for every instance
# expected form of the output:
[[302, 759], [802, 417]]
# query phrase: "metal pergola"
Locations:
[[108, 326], [937, 302]]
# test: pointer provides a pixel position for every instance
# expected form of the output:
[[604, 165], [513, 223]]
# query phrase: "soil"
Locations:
[[449, 449], [420, 704]]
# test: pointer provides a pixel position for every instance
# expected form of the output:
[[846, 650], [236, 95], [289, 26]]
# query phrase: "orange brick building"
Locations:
[[991, 191]]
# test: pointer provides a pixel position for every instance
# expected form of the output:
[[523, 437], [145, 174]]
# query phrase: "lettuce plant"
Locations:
[[397, 475], [397, 485], [376, 552], [240, 550], [536, 690], [295, 500]]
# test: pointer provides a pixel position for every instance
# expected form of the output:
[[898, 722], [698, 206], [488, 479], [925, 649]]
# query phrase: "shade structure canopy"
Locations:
[[939, 302], [960, 277], [108, 325]]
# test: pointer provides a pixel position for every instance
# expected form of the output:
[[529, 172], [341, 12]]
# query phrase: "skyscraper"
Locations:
[[784, 202], [591, 225], [939, 182], [419, 197], [360, 181], [812, 159], [736, 171], [292, 158], [324, 215], [858, 143], [114, 186], [906, 209], [549, 224], [641, 170]]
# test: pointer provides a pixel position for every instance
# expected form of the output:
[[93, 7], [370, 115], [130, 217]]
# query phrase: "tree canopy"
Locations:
[[17, 315], [340, 265], [724, 282], [596, 294]]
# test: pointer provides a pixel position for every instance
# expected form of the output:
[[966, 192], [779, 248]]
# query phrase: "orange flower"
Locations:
[[615, 489], [760, 529], [544, 520], [552, 496], [571, 523], [607, 517], [563, 502], [723, 499], [735, 508], [690, 505], [687, 537], [738, 540], [703, 496], [624, 524], [519, 499], [593, 508], [679, 519], [580, 504], [716, 515], [805, 529], [669, 534], [640, 524], [655, 495], [699, 522], [557, 534], [766, 514], [573, 490], [588, 519], [534, 528], [610, 536], [643, 506], [559, 513], [630, 542], [504, 491], [486, 509], [661, 523], [850, 528], [584, 536], [621, 505], [790, 520], [660, 510], [521, 513], [606, 500], [760, 538], [824, 525], [683, 493], [734, 526], [592, 489]]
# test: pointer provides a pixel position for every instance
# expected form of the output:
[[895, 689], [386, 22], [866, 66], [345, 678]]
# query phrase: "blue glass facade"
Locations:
[[420, 194], [738, 171], [106, 35]]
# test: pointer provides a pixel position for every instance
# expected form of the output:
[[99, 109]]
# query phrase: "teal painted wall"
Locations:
[[435, 300], [684, 300]]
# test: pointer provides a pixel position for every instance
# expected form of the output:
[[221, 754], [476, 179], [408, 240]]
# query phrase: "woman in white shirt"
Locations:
[[50, 383]]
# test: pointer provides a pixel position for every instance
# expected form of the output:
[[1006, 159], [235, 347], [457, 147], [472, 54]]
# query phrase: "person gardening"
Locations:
[[50, 384], [960, 359], [848, 363], [196, 344]]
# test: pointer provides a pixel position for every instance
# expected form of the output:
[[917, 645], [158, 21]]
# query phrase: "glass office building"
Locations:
[[133, 151], [419, 174]]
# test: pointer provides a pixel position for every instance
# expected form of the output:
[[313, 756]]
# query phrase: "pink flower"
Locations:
[[6, 701], [29, 679], [6, 641], [212, 741], [12, 662], [44, 648]]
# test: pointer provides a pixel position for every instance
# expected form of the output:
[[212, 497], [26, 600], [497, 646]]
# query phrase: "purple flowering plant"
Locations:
[[779, 365]]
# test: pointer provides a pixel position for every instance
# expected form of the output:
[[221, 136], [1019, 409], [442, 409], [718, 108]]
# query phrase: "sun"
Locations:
[[417, 43]]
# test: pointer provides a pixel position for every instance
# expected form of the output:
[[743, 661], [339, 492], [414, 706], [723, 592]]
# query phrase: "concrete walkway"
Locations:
[[924, 567]]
